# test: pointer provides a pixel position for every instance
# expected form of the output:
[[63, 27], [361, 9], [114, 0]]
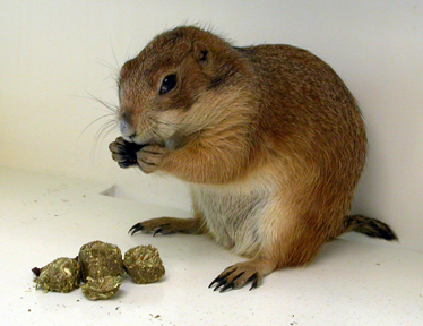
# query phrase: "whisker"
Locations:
[[108, 120], [109, 106], [114, 57], [114, 71], [101, 133], [112, 127], [96, 120]]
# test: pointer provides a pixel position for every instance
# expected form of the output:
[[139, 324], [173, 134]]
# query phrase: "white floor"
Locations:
[[45, 217]]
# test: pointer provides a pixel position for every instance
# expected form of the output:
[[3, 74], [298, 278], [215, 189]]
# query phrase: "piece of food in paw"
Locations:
[[61, 275], [129, 150], [143, 264], [101, 288], [99, 259]]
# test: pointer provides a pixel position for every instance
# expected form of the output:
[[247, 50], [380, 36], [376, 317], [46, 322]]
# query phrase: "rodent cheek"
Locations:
[[167, 123]]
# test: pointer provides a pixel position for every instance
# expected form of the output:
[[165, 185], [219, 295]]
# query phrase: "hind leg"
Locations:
[[264, 263], [286, 240]]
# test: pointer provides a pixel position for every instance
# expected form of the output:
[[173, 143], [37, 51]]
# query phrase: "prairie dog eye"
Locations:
[[168, 83]]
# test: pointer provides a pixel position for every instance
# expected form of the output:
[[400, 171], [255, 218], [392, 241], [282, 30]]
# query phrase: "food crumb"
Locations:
[[29, 310]]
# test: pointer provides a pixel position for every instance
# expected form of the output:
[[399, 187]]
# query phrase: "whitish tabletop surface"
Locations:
[[44, 217]]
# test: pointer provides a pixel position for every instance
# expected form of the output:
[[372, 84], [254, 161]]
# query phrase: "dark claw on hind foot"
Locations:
[[219, 280], [254, 280], [158, 230], [136, 228], [222, 284]]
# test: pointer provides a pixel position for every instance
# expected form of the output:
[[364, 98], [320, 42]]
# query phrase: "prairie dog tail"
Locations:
[[369, 226]]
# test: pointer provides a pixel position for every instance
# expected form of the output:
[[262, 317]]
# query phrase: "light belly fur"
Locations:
[[232, 214]]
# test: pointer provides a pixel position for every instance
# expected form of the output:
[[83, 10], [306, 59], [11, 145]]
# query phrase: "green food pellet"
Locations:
[[61, 275], [99, 259], [143, 264]]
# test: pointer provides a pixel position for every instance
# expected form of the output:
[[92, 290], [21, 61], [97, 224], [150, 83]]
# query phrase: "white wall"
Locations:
[[53, 53]]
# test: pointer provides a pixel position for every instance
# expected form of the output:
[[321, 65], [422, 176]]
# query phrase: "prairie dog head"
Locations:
[[171, 89]]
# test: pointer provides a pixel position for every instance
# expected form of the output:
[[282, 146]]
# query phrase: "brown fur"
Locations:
[[269, 138]]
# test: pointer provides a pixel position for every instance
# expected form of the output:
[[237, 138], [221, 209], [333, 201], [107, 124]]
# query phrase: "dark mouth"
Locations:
[[131, 138]]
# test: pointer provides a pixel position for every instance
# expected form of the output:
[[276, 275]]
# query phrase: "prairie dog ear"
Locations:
[[201, 53]]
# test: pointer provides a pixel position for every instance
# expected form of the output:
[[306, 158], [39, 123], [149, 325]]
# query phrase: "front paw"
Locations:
[[150, 158], [124, 152]]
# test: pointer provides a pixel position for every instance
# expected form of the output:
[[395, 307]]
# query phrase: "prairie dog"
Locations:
[[268, 137]]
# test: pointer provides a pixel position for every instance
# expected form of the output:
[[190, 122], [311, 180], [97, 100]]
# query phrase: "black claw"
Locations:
[[253, 278], [135, 228], [231, 285], [158, 230], [221, 283], [216, 280], [211, 284], [228, 286]]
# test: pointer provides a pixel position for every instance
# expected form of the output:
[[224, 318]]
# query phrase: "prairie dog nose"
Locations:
[[125, 124], [124, 127]]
